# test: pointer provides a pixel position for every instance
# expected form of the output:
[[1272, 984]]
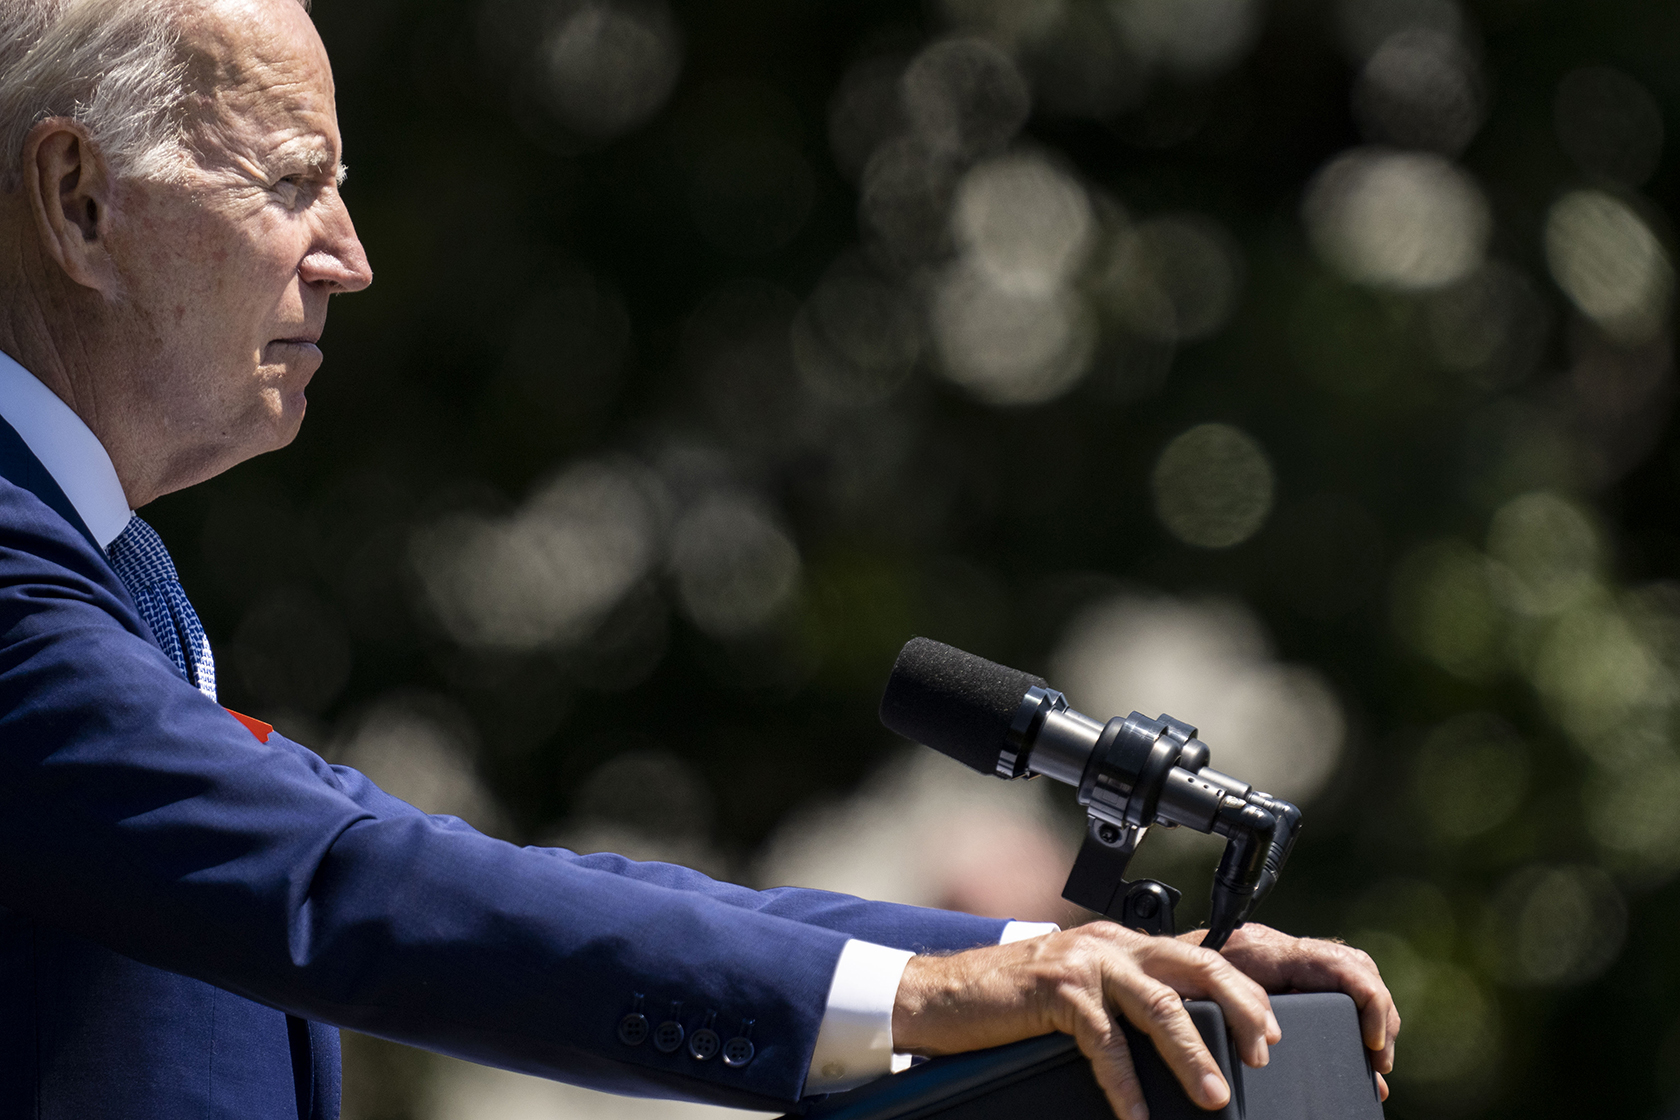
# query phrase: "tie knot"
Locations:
[[139, 557]]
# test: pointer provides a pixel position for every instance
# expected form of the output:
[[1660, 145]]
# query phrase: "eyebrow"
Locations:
[[319, 158]]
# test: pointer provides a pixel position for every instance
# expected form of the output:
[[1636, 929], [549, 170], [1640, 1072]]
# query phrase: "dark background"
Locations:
[[554, 291]]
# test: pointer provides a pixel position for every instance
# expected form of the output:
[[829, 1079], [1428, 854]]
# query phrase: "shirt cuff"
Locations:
[[1023, 931], [854, 1041]]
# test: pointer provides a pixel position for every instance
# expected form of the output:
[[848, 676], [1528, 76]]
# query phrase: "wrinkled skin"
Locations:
[[1081, 981], [181, 320]]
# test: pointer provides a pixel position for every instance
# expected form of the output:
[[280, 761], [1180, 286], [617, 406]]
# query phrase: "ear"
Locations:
[[69, 190]]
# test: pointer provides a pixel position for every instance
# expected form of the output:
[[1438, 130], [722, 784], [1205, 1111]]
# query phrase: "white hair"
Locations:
[[113, 66]]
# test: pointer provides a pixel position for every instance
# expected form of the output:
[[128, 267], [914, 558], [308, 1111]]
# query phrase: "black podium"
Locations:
[[1318, 1072]]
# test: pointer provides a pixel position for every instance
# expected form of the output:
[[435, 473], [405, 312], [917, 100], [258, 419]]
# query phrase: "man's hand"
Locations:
[[1079, 982], [1303, 964]]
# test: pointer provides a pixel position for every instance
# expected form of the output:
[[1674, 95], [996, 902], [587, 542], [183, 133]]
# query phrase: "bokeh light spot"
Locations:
[[1609, 264], [1549, 552], [1213, 486], [1419, 90], [965, 97], [1633, 812], [649, 790], [1195, 38], [543, 577], [927, 832], [1404, 220], [865, 111], [1470, 775], [1595, 671], [1554, 926], [611, 64], [857, 336], [735, 569], [1412, 908], [1023, 222], [1451, 1029], [1009, 347], [903, 201], [1175, 278], [1365, 25], [1277, 725], [1444, 606]]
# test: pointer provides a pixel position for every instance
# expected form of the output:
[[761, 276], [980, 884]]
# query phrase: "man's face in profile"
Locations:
[[227, 271]]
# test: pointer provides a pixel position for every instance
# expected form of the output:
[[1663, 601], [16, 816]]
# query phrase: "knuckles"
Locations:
[[1207, 960], [1162, 1004]]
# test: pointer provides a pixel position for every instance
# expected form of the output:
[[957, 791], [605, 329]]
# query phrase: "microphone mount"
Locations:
[[1137, 773], [1131, 773]]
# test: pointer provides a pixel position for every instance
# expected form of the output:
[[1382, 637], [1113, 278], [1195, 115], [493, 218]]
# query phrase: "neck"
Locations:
[[61, 333]]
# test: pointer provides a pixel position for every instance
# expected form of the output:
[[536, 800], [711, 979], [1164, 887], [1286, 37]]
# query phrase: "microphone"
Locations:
[[1131, 772]]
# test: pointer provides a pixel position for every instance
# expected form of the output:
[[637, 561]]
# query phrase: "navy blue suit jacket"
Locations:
[[187, 914]]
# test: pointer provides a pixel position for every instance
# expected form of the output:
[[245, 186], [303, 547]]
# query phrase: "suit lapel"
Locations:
[[20, 467]]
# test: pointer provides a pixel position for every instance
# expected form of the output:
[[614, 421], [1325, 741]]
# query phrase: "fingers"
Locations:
[[1353, 971], [1158, 1011], [1082, 981], [1104, 1043], [1382, 1087], [1203, 974], [1308, 964], [1382, 1057]]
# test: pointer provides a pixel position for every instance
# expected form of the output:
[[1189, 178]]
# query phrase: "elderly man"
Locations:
[[190, 905]]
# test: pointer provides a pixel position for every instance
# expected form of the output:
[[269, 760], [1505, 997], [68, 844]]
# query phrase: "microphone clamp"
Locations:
[[1139, 772], [1131, 773]]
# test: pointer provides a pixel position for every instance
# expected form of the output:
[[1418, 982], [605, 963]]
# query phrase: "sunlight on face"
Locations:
[[228, 268]]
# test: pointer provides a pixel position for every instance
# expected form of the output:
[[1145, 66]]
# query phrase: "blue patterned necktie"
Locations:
[[143, 564]]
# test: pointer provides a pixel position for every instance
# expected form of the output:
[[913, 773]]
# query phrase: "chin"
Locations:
[[290, 420], [275, 423]]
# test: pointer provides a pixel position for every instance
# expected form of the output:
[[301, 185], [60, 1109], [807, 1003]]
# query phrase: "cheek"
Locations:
[[269, 276], [225, 268], [179, 274]]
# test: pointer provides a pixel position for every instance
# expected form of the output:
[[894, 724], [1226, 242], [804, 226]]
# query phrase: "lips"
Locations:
[[302, 348]]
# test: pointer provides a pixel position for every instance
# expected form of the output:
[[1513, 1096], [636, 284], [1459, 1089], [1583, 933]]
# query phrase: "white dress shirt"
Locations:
[[854, 1039]]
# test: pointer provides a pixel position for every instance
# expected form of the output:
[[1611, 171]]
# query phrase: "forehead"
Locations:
[[260, 64]]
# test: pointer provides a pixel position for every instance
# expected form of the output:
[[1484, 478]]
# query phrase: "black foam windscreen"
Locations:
[[954, 702]]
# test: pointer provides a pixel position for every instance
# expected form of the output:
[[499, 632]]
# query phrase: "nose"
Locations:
[[336, 262]]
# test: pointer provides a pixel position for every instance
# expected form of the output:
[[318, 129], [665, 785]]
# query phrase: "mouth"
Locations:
[[308, 344]]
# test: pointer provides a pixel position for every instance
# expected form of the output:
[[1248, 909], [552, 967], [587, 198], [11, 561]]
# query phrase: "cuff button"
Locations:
[[633, 1029], [739, 1050], [668, 1036], [703, 1045]]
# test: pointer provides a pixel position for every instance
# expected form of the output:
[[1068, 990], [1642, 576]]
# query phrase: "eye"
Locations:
[[289, 190]]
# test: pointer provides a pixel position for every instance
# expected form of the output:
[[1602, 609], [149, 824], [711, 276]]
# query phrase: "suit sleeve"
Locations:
[[914, 928], [135, 812]]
